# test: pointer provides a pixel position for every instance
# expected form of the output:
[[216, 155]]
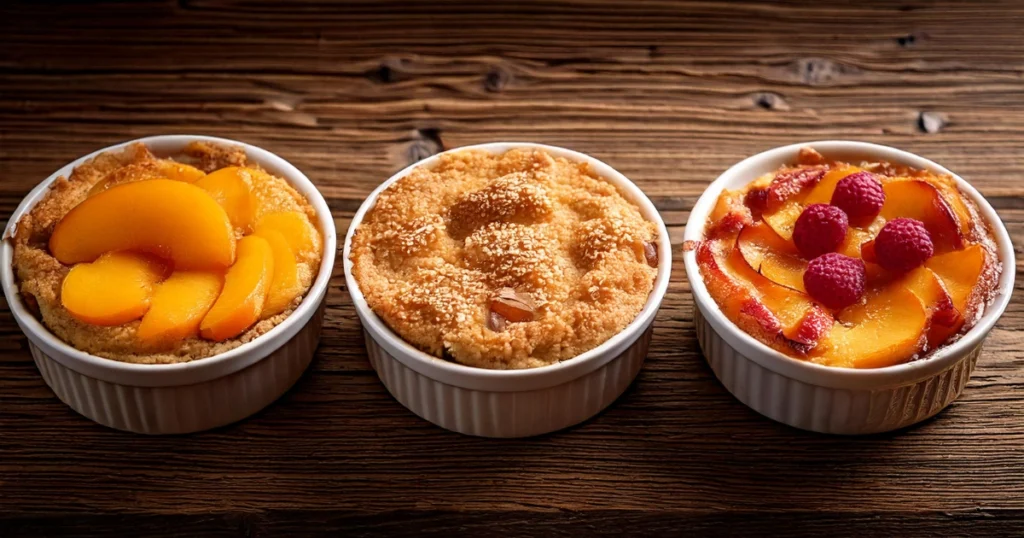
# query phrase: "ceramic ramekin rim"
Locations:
[[186, 373], [815, 374], [474, 378]]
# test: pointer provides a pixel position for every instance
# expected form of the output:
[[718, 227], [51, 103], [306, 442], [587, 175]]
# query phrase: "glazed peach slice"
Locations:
[[888, 328], [296, 229], [285, 285], [959, 272], [178, 306], [246, 285], [921, 201], [170, 219], [114, 289], [822, 192], [232, 188], [779, 310], [772, 256], [943, 314], [159, 169]]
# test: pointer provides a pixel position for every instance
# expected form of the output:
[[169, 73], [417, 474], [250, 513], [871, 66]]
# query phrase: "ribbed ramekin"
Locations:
[[820, 398], [185, 397], [513, 403]]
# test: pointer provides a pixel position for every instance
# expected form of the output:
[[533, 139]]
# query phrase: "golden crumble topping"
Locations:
[[504, 261]]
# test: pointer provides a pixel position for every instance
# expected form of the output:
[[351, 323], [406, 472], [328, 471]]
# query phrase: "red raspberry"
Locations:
[[902, 245], [859, 195], [835, 280], [757, 201], [820, 228]]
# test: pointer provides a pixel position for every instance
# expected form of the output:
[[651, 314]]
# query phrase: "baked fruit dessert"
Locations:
[[850, 265], [162, 260], [504, 261]]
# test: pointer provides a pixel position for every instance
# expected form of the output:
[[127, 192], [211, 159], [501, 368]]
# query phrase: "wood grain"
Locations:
[[669, 93]]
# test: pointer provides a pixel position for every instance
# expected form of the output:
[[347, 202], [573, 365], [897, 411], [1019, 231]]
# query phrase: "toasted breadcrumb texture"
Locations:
[[39, 275], [440, 242]]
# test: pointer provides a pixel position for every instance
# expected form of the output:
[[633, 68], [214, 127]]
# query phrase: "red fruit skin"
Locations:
[[835, 280], [820, 228], [859, 195], [758, 311], [757, 201], [903, 244], [789, 183]]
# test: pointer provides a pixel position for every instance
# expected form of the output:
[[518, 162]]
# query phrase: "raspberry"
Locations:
[[757, 201], [859, 195], [820, 228], [902, 245], [835, 280]]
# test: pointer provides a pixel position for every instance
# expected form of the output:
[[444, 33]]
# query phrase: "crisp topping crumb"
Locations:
[[504, 261]]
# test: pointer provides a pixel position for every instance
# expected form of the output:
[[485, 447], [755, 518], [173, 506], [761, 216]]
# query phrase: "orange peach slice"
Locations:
[[783, 220], [888, 328], [822, 192], [301, 235], [171, 219], [245, 291], [114, 289], [161, 169], [232, 188], [285, 285], [920, 200], [959, 271], [179, 304], [772, 256], [945, 318]]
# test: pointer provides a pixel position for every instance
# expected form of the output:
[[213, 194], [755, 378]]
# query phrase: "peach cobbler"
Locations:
[[159, 260], [505, 261], [851, 265]]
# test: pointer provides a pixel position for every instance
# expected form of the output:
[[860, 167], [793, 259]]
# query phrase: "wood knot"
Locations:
[[931, 122], [496, 79], [770, 101], [820, 71], [910, 40], [425, 142], [390, 70]]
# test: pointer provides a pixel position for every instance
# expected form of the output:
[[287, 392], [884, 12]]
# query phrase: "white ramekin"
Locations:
[[821, 398], [185, 397], [512, 403]]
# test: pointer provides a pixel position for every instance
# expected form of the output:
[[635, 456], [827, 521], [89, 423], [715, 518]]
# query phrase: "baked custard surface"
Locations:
[[40, 275], [506, 261]]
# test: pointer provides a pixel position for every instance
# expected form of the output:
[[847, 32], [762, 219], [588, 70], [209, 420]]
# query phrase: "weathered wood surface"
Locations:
[[669, 93]]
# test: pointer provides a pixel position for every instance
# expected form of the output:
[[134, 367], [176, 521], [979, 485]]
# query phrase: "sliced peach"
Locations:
[[114, 289], [285, 285], [945, 318], [954, 198], [921, 201], [772, 256], [888, 328], [245, 291], [160, 169], [171, 219], [232, 188], [301, 235], [783, 220], [729, 214], [179, 171], [959, 271], [822, 192], [790, 184], [178, 306], [779, 311]]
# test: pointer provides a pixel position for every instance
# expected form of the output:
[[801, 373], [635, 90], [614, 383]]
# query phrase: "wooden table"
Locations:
[[671, 95]]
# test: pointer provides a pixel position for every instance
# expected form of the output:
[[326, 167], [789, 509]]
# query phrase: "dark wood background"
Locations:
[[669, 93]]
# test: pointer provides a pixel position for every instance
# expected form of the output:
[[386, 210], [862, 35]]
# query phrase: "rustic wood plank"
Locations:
[[671, 95]]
